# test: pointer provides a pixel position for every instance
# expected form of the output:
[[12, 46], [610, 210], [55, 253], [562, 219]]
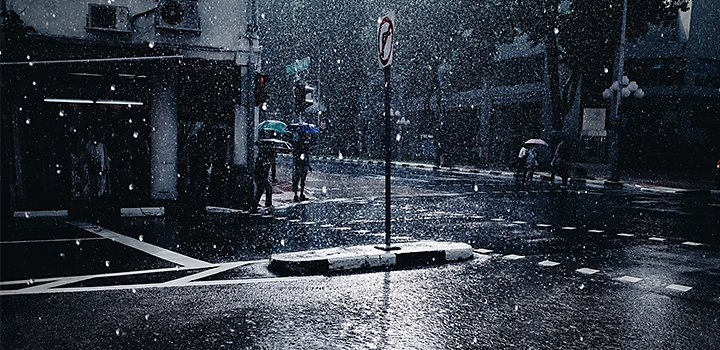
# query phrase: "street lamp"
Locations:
[[620, 88]]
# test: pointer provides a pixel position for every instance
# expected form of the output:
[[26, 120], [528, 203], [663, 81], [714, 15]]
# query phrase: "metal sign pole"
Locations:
[[388, 155], [385, 38]]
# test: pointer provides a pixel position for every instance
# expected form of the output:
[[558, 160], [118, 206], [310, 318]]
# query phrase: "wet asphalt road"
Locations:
[[502, 299]]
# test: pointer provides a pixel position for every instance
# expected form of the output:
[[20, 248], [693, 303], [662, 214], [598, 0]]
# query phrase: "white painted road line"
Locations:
[[548, 263], [587, 271], [596, 231], [483, 251], [625, 234], [658, 239], [153, 250], [568, 228], [543, 225], [206, 273], [628, 279], [692, 244], [40, 288], [54, 240], [40, 214], [679, 287], [135, 287]]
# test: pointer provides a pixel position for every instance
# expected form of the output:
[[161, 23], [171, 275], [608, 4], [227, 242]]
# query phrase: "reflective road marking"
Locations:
[[628, 279], [543, 225], [693, 244], [679, 287], [587, 271], [513, 257], [659, 239], [156, 251], [548, 263], [483, 251], [625, 234], [596, 231]]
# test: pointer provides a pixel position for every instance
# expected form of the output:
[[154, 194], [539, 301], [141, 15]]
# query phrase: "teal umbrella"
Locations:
[[273, 125]]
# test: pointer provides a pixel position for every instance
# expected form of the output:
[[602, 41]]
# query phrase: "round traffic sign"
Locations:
[[385, 37]]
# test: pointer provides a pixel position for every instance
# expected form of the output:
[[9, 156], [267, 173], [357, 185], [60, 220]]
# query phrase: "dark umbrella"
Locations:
[[304, 128]]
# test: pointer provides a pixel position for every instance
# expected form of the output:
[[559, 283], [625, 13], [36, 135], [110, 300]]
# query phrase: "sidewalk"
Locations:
[[596, 174]]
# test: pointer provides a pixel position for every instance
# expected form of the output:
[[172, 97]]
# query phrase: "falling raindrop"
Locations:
[[136, 134], [27, 121], [112, 87], [130, 121], [475, 188], [31, 64], [20, 109], [117, 332], [31, 281], [556, 30], [58, 171], [134, 290], [34, 83], [282, 242], [28, 56], [151, 44], [131, 187], [324, 189], [397, 137], [27, 215], [214, 246], [61, 113], [62, 255], [516, 308], [340, 156], [302, 156], [606, 70], [107, 263], [147, 317], [77, 242], [582, 286], [141, 238]]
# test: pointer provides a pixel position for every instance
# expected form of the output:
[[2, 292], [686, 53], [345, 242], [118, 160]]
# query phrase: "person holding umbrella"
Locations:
[[531, 158], [301, 158], [265, 159]]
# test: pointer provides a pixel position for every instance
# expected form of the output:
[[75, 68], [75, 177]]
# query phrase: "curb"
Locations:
[[333, 260]]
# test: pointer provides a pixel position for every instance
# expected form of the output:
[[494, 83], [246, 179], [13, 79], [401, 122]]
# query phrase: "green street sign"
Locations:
[[297, 66]]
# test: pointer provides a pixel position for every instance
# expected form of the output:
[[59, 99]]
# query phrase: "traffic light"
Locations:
[[303, 97], [261, 81]]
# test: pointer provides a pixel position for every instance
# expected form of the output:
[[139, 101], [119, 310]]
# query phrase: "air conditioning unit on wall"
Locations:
[[108, 18], [178, 15]]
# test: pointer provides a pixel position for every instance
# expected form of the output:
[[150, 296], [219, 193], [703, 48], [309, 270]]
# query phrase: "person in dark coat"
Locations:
[[263, 163], [559, 163], [301, 165]]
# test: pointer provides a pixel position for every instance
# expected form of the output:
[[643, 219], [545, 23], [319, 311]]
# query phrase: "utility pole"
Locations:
[[614, 132]]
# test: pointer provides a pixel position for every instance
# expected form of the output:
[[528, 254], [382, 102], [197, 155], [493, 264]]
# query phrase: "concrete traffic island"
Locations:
[[409, 255]]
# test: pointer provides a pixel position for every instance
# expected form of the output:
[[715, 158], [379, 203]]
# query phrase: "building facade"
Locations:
[[141, 101], [674, 126]]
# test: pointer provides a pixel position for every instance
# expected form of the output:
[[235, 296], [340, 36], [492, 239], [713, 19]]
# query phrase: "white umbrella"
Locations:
[[535, 142]]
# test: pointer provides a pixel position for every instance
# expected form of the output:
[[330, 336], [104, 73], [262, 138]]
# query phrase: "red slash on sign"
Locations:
[[385, 36]]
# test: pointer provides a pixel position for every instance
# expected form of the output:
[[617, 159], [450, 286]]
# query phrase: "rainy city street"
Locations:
[[577, 267], [405, 174]]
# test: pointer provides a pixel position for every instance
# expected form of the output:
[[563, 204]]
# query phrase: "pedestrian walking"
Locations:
[[301, 165], [521, 164], [263, 163], [559, 163], [530, 164]]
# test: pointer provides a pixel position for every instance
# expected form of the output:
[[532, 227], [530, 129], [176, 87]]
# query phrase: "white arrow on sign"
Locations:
[[385, 38]]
